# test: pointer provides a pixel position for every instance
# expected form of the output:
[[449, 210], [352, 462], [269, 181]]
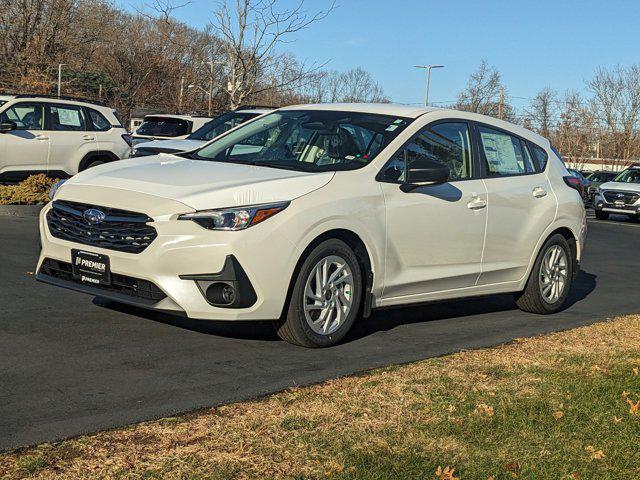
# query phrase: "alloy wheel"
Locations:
[[328, 295], [553, 274]]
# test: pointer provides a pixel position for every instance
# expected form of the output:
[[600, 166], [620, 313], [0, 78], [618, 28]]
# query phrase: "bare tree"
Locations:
[[542, 112], [483, 91], [251, 31], [616, 105]]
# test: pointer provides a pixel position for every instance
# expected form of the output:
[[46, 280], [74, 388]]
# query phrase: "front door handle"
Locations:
[[476, 204], [88, 137], [42, 137], [539, 192]]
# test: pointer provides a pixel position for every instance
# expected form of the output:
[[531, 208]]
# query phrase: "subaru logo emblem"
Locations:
[[620, 195], [93, 216]]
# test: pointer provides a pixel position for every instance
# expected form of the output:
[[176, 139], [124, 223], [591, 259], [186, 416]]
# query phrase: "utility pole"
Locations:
[[60, 65], [501, 104], [181, 94], [428, 71], [210, 105]]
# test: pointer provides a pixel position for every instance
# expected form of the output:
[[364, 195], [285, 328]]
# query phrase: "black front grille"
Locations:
[[123, 284], [120, 230], [629, 198]]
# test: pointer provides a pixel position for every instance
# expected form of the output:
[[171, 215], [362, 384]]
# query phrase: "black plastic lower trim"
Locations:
[[231, 273]]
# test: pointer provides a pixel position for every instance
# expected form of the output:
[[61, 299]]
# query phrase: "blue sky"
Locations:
[[533, 44]]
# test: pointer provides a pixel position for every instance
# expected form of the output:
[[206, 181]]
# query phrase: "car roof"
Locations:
[[178, 116], [257, 111], [412, 111], [7, 97], [394, 109]]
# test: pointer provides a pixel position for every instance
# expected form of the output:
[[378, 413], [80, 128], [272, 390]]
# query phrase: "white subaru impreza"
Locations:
[[314, 215]]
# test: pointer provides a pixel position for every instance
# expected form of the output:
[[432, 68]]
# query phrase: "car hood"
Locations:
[[627, 187], [175, 145], [199, 184]]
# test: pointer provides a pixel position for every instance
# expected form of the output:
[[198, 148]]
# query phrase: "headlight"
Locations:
[[54, 188], [234, 218]]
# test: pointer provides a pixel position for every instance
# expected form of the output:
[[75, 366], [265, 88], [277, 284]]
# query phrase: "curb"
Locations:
[[20, 210]]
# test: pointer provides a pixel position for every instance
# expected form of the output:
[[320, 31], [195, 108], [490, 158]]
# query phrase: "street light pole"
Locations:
[[60, 65], [428, 71]]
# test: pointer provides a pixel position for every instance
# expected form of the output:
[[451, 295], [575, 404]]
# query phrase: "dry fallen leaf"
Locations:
[[635, 370], [634, 408], [616, 419], [625, 394], [594, 454], [446, 473], [484, 409], [513, 467], [558, 415]]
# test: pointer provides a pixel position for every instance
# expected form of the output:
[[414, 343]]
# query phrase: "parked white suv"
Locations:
[[167, 127], [197, 139], [58, 136], [345, 208], [621, 195]]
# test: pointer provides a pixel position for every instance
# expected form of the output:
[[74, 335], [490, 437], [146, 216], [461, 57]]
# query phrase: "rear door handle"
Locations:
[[89, 137], [42, 137], [539, 192], [476, 204]]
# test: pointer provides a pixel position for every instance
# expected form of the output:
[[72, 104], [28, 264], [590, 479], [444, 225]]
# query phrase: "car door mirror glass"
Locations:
[[7, 126]]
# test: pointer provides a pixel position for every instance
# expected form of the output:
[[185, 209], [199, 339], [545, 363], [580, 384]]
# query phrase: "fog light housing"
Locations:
[[228, 288], [221, 293], [599, 205]]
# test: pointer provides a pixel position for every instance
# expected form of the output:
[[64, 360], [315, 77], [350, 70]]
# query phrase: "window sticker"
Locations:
[[68, 117], [500, 153]]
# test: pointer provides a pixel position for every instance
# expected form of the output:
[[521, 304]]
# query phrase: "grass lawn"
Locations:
[[560, 406]]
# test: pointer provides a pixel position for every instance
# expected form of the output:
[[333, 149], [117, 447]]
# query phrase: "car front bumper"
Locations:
[[600, 204], [181, 262]]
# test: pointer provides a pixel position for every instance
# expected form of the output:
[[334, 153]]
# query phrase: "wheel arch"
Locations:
[[362, 252], [96, 155], [571, 239]]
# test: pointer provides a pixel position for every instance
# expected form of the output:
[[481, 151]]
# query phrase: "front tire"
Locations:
[[325, 298], [602, 215], [550, 279]]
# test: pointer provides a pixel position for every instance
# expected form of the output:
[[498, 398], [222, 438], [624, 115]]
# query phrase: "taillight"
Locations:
[[127, 138], [573, 182]]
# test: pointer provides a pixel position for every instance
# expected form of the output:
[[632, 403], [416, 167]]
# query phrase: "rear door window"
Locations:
[[505, 154], [65, 118]]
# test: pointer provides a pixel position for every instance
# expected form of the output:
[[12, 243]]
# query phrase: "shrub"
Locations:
[[31, 191]]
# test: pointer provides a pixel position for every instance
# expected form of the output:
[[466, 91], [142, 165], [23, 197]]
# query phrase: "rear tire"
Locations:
[[634, 218], [325, 298], [602, 215], [550, 279], [93, 163]]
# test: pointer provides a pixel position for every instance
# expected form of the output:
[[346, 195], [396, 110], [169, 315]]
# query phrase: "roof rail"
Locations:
[[63, 97], [254, 107]]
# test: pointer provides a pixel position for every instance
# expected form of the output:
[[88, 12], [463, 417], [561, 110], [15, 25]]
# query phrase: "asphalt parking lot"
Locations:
[[70, 365]]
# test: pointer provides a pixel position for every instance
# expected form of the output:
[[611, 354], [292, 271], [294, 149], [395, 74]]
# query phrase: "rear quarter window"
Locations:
[[540, 157]]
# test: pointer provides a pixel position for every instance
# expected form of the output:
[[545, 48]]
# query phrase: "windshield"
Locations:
[[307, 140], [163, 127], [601, 176], [631, 175], [218, 126]]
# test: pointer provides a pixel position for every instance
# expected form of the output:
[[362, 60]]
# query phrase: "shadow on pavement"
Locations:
[[381, 320]]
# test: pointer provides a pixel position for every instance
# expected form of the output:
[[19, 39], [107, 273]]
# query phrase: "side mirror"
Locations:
[[7, 126], [425, 172]]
